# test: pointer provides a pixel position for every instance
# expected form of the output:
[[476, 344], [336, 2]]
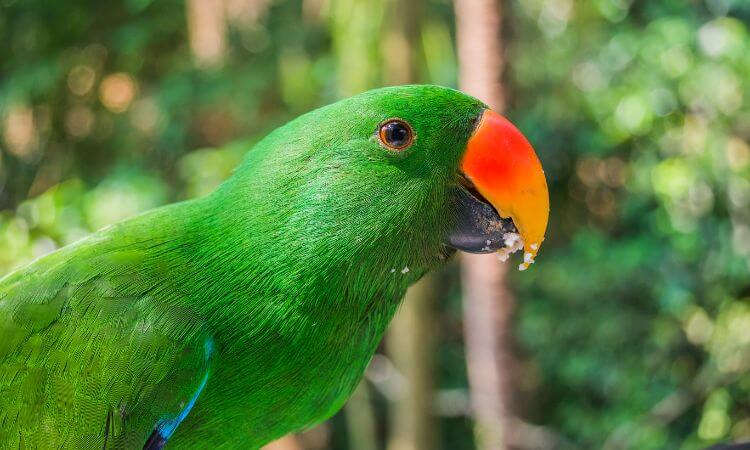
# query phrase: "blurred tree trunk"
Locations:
[[207, 26], [411, 346], [360, 419], [286, 443], [410, 341], [207, 31], [480, 50], [487, 302], [400, 44]]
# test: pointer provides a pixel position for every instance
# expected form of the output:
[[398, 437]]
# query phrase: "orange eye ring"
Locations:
[[396, 134]]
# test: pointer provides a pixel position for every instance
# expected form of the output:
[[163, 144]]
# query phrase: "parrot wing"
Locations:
[[91, 354]]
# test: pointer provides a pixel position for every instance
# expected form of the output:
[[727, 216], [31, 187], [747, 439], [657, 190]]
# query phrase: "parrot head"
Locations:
[[398, 178]]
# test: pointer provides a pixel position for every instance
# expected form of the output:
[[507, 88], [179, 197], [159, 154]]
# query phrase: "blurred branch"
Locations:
[[525, 435], [663, 412]]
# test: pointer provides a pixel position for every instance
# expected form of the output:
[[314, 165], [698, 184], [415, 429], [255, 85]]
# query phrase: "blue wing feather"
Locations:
[[165, 428]]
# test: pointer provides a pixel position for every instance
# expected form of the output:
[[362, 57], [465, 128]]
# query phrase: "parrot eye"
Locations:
[[396, 134]]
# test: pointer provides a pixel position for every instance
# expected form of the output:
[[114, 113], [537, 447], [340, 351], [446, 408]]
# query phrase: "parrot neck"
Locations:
[[247, 270]]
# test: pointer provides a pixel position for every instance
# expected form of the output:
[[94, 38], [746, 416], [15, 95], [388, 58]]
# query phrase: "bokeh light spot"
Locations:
[[117, 92]]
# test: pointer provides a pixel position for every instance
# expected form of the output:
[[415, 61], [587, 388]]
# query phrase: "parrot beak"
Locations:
[[501, 194]]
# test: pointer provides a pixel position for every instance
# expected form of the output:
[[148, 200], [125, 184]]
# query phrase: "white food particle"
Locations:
[[528, 259], [393, 270], [513, 240], [405, 269], [514, 243]]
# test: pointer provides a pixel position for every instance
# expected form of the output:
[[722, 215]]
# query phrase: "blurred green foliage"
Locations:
[[633, 327], [636, 318]]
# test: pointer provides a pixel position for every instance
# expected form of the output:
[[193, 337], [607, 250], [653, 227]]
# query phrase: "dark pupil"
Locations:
[[396, 134]]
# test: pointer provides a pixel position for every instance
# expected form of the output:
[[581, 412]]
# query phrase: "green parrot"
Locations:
[[233, 319]]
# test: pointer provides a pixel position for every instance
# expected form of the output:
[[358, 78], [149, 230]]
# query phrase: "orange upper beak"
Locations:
[[504, 168]]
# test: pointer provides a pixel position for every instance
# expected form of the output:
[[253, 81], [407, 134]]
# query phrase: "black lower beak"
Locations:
[[479, 228]]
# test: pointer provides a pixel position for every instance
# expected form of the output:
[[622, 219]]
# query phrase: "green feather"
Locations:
[[293, 268]]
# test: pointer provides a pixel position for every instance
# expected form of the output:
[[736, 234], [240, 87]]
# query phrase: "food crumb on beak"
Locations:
[[513, 243], [528, 259]]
